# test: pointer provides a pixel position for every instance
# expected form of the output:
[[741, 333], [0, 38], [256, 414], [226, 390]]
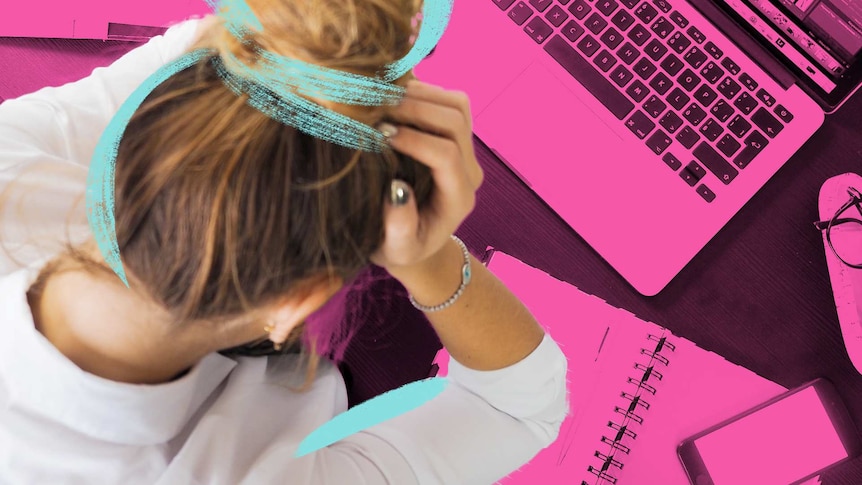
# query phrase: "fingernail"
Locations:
[[399, 193], [387, 130]]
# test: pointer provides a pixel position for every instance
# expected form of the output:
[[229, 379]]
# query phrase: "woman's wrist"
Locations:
[[434, 279]]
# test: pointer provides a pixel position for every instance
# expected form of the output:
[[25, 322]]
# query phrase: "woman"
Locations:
[[235, 229]]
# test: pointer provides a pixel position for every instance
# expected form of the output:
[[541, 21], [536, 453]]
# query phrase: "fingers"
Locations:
[[401, 226], [442, 155]]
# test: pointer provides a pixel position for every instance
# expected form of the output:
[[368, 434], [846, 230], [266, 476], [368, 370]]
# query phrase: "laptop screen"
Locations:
[[822, 37]]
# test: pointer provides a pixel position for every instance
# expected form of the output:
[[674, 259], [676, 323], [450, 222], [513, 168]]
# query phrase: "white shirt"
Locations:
[[228, 420]]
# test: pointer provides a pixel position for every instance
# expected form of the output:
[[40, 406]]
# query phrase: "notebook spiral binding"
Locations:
[[629, 415]]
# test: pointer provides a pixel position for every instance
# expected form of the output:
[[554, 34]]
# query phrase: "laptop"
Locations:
[[647, 124]]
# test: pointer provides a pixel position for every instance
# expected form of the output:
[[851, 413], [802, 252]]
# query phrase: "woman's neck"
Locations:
[[108, 331]]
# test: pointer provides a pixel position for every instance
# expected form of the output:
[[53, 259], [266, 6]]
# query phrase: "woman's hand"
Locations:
[[433, 126]]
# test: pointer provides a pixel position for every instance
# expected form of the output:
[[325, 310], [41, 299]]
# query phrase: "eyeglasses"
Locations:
[[844, 234]]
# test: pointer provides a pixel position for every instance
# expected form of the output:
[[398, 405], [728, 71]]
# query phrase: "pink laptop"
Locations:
[[92, 19], [647, 124]]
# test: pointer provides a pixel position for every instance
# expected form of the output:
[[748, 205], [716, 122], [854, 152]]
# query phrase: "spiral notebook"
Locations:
[[636, 390]]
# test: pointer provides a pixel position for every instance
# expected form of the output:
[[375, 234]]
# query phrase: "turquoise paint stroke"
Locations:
[[372, 412], [99, 198], [283, 76]]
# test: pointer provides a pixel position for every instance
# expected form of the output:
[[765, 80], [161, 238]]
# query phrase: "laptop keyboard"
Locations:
[[662, 78]]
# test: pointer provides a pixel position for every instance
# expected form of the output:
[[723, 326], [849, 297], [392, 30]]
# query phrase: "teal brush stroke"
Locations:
[[307, 116], [100, 178], [373, 412], [435, 19]]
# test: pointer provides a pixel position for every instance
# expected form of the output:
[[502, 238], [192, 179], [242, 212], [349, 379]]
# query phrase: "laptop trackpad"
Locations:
[[553, 138]]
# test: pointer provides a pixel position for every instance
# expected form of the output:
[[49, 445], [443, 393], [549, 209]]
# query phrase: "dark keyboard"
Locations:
[[662, 78]]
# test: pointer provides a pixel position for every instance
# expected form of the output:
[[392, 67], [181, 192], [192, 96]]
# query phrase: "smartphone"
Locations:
[[786, 440]]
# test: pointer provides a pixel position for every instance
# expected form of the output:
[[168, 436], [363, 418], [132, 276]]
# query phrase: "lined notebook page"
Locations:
[[609, 351]]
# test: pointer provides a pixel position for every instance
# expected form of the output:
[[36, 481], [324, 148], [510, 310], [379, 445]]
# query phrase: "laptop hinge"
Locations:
[[745, 41]]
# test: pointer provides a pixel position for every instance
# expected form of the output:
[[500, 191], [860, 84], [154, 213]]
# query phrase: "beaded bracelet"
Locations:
[[466, 275]]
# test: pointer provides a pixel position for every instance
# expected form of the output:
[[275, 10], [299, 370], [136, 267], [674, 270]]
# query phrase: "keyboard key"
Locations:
[[573, 30], [605, 61], [662, 27], [707, 194], [695, 57], [595, 23], [729, 88], [739, 126], [556, 16], [588, 45], [687, 137], [630, 3], [678, 19], [646, 13], [722, 111], [766, 122], [711, 130], [748, 81], [504, 4], [672, 161], [612, 38], [606, 7], [728, 145], [580, 9], [754, 144], [745, 103], [713, 50], [694, 114], [639, 34], [678, 42], [628, 53], [783, 114], [705, 95], [637, 91], [623, 20], [694, 171], [538, 29], [711, 72], [589, 77], [520, 13], [541, 5], [563, 2], [715, 163], [621, 76], [644, 68], [671, 65], [640, 125], [731, 66], [696, 34], [661, 83], [688, 80], [678, 99], [662, 5], [655, 49], [671, 122], [654, 106], [658, 142], [765, 97]]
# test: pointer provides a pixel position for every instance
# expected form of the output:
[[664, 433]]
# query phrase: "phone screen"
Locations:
[[779, 444]]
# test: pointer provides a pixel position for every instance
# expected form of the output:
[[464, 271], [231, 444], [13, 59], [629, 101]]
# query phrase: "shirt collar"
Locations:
[[41, 380]]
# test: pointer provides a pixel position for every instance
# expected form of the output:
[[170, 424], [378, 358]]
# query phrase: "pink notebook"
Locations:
[[636, 390]]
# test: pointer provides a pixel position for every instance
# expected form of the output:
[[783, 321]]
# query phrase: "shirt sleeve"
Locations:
[[65, 123], [482, 427], [47, 139]]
